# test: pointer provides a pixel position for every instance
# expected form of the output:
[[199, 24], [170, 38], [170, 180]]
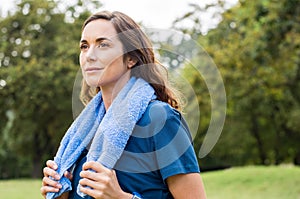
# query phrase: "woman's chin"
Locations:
[[92, 83]]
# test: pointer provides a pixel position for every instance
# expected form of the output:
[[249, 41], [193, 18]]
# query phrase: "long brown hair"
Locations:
[[138, 46]]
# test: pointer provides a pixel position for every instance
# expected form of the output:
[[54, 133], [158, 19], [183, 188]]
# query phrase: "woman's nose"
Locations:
[[91, 56]]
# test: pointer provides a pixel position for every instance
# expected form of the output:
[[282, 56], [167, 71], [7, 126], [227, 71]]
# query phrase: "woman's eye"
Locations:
[[83, 46], [103, 45]]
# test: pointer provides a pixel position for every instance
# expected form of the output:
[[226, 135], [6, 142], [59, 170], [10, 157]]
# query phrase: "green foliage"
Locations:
[[38, 64], [257, 49]]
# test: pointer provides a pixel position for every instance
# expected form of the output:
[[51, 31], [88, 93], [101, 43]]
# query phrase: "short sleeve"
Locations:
[[173, 145]]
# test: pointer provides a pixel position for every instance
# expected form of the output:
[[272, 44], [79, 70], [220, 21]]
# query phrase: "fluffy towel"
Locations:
[[108, 131]]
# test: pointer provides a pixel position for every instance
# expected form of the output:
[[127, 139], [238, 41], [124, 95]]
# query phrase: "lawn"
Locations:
[[255, 182], [237, 183], [20, 189]]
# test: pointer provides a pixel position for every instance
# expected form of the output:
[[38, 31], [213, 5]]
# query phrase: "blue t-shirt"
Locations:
[[160, 146]]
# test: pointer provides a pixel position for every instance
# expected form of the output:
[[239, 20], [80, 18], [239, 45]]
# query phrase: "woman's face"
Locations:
[[101, 56]]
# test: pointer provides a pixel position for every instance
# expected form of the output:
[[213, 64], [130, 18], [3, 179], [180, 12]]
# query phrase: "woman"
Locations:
[[158, 160]]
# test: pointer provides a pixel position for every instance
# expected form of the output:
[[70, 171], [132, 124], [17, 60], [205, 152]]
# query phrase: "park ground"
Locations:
[[255, 182]]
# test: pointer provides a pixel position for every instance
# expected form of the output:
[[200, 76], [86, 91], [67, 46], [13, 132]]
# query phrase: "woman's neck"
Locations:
[[109, 92]]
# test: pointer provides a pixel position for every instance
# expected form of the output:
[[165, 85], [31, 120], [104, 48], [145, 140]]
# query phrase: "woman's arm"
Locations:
[[186, 186]]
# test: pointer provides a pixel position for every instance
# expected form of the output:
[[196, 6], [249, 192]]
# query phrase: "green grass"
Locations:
[[20, 189], [255, 182]]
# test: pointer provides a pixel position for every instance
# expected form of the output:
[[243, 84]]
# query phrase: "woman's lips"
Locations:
[[92, 69]]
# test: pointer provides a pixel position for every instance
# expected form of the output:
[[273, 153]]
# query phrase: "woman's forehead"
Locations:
[[99, 28]]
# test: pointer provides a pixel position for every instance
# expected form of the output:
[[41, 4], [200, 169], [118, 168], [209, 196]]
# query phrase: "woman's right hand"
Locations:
[[50, 180]]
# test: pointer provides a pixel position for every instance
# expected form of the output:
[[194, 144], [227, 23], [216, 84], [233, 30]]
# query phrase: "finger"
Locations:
[[46, 189], [114, 175], [85, 182], [96, 166], [98, 177], [92, 192], [68, 175], [51, 164], [50, 172], [49, 182]]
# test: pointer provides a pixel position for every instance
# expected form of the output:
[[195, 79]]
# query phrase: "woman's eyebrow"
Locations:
[[97, 40], [102, 39], [83, 41]]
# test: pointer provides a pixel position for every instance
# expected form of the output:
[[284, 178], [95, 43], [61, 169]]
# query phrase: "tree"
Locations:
[[38, 67], [256, 47]]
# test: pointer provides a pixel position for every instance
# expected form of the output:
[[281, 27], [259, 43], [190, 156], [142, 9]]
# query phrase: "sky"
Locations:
[[152, 13]]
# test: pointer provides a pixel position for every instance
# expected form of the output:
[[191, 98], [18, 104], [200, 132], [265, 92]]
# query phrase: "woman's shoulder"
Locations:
[[162, 116], [160, 109], [159, 112], [157, 117]]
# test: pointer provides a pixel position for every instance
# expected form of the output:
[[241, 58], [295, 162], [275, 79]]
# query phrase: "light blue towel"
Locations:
[[108, 131]]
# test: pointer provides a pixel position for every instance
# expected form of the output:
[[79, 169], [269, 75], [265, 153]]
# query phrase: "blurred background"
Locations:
[[254, 44]]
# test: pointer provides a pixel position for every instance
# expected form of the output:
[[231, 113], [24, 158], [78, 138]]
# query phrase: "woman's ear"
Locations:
[[130, 62]]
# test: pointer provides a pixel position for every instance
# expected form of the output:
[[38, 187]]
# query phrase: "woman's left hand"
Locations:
[[102, 182]]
